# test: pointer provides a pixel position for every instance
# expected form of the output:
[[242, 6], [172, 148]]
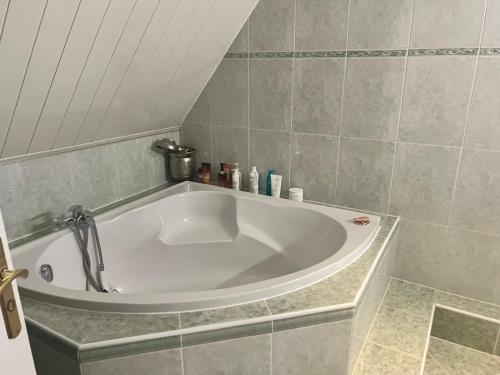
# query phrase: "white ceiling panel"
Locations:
[[20, 30], [52, 37], [81, 39], [78, 71]]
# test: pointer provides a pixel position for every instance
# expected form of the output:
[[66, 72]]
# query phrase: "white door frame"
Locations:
[[15, 351]]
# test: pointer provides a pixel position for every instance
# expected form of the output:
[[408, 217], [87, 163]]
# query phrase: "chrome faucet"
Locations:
[[80, 221], [77, 212]]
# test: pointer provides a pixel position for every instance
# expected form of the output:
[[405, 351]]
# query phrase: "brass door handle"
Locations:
[[8, 303], [7, 276]]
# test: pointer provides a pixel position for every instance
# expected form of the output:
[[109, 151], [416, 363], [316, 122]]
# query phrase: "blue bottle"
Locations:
[[268, 182]]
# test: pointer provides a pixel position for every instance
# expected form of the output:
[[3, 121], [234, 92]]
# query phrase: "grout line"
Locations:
[[443, 291], [496, 348], [80, 76], [341, 123], [208, 87], [371, 325], [469, 104], [271, 348], [181, 349], [427, 340], [431, 357], [24, 78], [153, 15], [350, 137], [446, 227], [347, 137], [54, 76], [248, 105], [405, 70], [104, 74], [290, 136], [272, 335], [391, 349]]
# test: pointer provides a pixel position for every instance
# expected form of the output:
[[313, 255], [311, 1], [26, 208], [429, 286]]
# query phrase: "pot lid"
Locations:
[[166, 144]]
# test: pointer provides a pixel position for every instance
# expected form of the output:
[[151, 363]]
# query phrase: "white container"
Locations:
[[296, 194], [254, 181], [276, 185], [236, 177]]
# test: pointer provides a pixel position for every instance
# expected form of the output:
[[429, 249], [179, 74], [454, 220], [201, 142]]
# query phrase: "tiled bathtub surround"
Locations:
[[290, 334], [388, 106], [37, 190]]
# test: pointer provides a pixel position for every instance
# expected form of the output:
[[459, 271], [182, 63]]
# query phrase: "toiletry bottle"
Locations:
[[276, 185], [268, 182], [221, 177], [205, 173], [254, 181], [228, 171], [236, 175]]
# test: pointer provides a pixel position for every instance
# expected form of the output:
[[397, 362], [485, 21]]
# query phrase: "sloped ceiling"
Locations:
[[80, 71]]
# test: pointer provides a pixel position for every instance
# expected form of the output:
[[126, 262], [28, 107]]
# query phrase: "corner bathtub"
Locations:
[[193, 247]]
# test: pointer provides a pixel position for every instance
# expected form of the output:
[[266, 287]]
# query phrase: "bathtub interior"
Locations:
[[200, 240]]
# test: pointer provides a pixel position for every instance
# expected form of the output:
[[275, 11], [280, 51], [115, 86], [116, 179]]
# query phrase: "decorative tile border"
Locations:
[[319, 54], [313, 319], [52, 339], [227, 333], [271, 55], [365, 53], [443, 52], [236, 55], [128, 348], [378, 53], [490, 51]]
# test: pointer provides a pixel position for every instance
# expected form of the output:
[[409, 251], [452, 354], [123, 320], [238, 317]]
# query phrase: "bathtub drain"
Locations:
[[46, 272]]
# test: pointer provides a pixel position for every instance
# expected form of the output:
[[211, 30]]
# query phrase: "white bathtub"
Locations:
[[194, 247]]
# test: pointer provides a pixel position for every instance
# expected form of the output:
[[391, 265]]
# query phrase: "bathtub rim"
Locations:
[[140, 302], [273, 322]]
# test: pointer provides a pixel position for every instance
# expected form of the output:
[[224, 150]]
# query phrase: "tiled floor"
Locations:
[[397, 339]]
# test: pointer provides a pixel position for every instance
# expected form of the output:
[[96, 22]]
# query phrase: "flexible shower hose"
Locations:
[[83, 246]]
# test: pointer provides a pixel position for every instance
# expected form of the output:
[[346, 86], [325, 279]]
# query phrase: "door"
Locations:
[[15, 352]]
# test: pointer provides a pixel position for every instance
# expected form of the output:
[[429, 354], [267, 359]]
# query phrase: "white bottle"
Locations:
[[236, 177], [254, 181]]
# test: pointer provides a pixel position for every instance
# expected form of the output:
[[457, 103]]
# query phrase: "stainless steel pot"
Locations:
[[181, 163]]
